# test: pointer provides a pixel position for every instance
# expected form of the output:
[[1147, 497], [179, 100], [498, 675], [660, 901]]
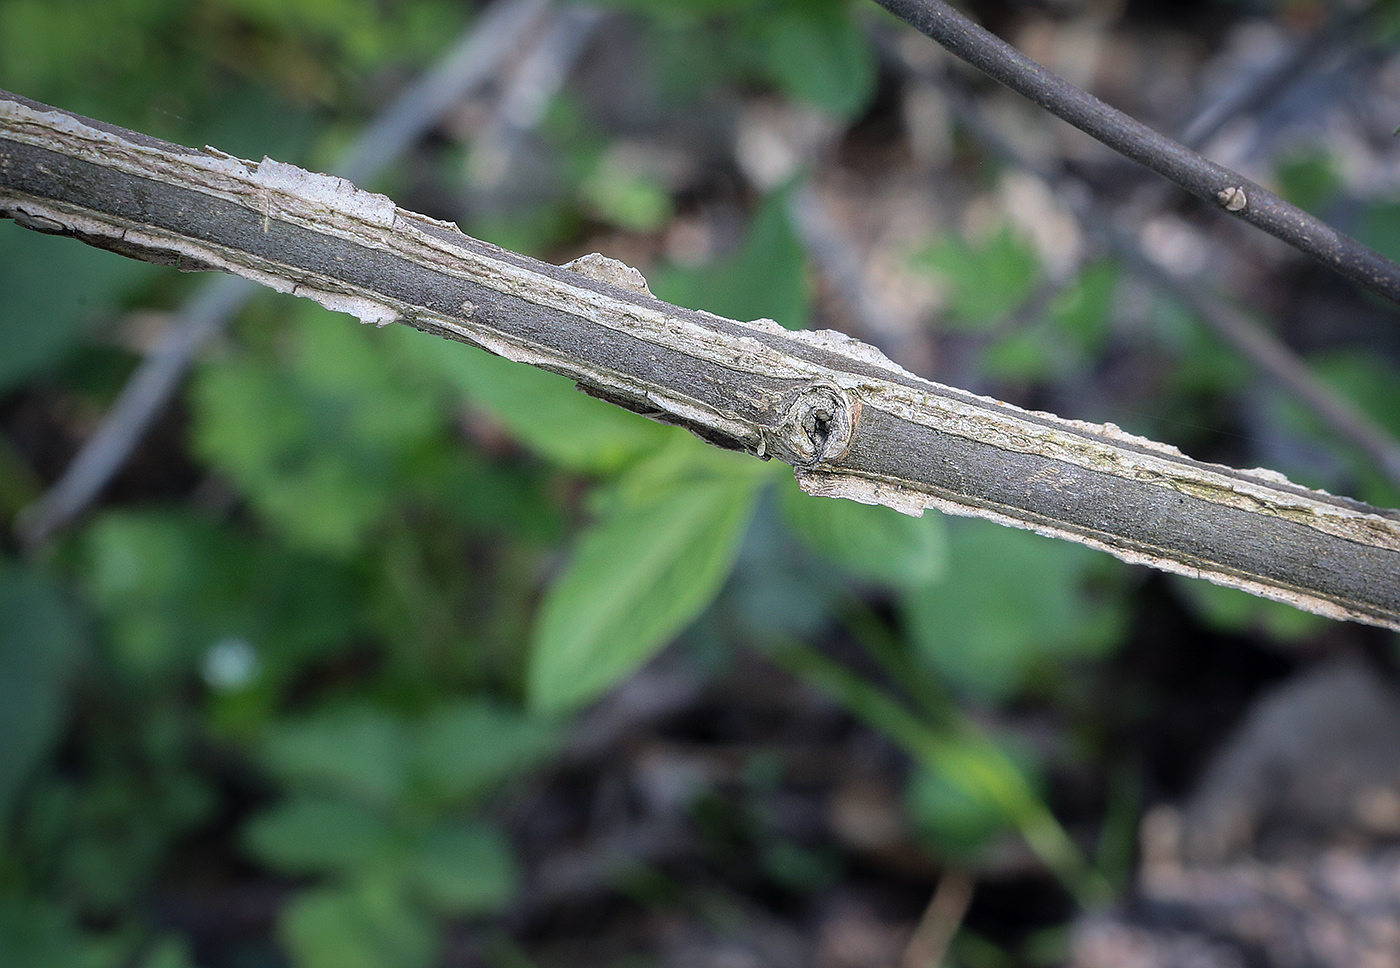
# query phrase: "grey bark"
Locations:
[[852, 423]]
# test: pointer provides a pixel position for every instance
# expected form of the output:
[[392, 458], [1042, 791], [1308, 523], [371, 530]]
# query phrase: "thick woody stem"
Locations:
[[852, 423]]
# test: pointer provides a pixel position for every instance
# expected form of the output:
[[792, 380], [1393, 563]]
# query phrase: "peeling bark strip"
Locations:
[[851, 422]]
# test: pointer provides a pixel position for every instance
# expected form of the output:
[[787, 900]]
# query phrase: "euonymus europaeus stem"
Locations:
[[849, 421]]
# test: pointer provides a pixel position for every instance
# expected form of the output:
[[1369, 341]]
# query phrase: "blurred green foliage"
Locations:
[[44, 278], [383, 809], [655, 557], [1309, 179], [1071, 334], [171, 585], [40, 645], [361, 630], [1231, 610], [407, 563], [1015, 607], [765, 278], [322, 433], [986, 279], [872, 542], [812, 50]]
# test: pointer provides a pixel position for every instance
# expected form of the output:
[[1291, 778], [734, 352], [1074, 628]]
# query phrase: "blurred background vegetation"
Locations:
[[380, 651]]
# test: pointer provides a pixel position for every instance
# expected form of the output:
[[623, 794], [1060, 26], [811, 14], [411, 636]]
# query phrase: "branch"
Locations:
[[852, 423], [1131, 138]]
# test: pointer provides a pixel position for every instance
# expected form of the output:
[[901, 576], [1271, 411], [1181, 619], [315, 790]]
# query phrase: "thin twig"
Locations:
[[941, 920], [852, 423], [530, 91], [140, 402], [1257, 94], [1267, 88], [468, 64], [1200, 176], [839, 261]]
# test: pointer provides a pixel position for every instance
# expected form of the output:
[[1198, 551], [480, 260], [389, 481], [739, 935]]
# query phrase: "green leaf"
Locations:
[[985, 281], [464, 870], [1012, 602], [40, 640], [356, 751], [819, 55], [465, 749], [38, 935], [316, 835], [171, 585], [955, 820], [638, 576], [371, 926], [873, 542], [318, 438], [1082, 312], [766, 278], [1309, 179], [546, 411]]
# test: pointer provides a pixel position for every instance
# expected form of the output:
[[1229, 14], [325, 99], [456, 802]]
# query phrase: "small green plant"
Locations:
[[385, 813], [364, 578]]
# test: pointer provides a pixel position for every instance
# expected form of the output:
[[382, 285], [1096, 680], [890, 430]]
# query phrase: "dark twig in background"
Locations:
[[1251, 340], [1192, 171], [1254, 96]]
